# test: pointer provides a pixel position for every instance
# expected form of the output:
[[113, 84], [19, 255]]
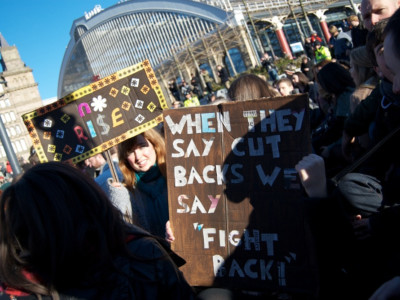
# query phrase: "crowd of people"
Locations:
[[66, 233], [201, 89]]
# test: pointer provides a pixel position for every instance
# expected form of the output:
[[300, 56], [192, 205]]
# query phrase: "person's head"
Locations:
[[391, 46], [317, 45], [333, 30], [375, 49], [334, 78], [373, 11], [219, 67], [304, 59], [248, 87], [308, 39], [299, 79], [140, 153], [176, 104], [353, 21], [285, 86], [54, 222], [213, 97], [265, 55], [95, 162], [361, 67]]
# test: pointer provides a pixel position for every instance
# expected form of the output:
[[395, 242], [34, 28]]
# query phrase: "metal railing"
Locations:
[[259, 6]]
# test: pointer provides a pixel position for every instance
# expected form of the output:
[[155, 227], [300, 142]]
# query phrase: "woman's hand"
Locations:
[[169, 235], [116, 184], [311, 171]]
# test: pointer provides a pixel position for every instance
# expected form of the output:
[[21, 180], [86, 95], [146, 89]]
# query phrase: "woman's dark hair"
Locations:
[[334, 78], [303, 79], [249, 87], [58, 226]]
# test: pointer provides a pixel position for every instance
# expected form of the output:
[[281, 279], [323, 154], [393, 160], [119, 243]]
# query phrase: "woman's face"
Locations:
[[295, 79], [142, 156]]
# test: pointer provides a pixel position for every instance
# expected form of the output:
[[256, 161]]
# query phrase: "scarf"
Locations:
[[386, 88], [152, 175], [155, 204]]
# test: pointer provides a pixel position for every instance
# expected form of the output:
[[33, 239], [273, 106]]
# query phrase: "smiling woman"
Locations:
[[142, 163]]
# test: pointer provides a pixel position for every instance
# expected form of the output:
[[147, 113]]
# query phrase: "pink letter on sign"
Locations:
[[79, 134], [80, 109]]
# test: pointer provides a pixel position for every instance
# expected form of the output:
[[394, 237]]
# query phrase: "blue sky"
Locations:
[[40, 30]]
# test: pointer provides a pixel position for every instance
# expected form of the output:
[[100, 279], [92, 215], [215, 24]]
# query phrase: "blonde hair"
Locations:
[[125, 148], [361, 65], [353, 18], [333, 29]]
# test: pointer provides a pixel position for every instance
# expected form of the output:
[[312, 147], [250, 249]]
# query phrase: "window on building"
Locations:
[[5, 103], [18, 145], [18, 129], [3, 118], [13, 132], [2, 152], [12, 115], [23, 144], [8, 118], [8, 132]]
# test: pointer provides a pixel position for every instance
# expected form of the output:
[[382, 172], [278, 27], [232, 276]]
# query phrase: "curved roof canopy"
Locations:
[[105, 41]]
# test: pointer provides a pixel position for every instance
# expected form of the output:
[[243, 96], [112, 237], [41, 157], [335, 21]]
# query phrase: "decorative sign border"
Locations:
[[123, 88]]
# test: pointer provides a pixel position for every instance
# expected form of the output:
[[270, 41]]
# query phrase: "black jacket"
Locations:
[[223, 74], [150, 273]]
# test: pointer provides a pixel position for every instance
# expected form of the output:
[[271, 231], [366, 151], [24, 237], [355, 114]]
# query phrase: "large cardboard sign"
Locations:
[[235, 199], [98, 116]]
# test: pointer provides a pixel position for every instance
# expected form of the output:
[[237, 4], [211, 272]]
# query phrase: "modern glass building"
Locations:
[[105, 41], [177, 36]]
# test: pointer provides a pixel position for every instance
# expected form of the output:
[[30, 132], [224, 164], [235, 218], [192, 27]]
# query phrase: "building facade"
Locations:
[[181, 36], [19, 94]]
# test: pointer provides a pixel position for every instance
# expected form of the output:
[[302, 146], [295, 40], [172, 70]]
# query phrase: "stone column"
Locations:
[[278, 27], [322, 22]]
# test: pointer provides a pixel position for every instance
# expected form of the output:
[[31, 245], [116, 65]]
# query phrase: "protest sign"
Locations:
[[235, 199], [97, 116]]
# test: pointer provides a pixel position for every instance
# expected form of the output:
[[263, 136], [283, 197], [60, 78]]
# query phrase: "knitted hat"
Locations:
[[359, 56]]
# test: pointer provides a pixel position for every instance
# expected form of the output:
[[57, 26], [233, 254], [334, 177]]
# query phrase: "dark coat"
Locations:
[[150, 273], [223, 74]]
